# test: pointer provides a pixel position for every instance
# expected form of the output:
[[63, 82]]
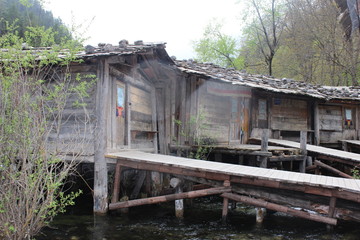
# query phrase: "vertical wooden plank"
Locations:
[[182, 113], [128, 115], [100, 166], [173, 95], [154, 118], [193, 108], [116, 189], [316, 124], [357, 124], [167, 117], [160, 114]]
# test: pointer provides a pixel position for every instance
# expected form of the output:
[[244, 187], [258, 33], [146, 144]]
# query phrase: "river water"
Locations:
[[202, 221]]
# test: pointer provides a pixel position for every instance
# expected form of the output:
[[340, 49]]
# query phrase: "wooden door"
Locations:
[[120, 113], [235, 120], [116, 129]]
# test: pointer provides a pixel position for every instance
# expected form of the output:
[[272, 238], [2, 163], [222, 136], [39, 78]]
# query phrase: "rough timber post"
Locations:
[[261, 212], [225, 209], [100, 166], [179, 204], [303, 140]]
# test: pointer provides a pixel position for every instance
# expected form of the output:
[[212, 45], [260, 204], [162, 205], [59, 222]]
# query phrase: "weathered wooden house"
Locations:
[[237, 106], [144, 100]]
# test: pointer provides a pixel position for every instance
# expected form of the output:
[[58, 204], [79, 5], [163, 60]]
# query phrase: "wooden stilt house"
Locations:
[[236, 106]]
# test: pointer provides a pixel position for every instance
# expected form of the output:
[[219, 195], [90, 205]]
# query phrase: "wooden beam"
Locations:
[[171, 197], [333, 170], [280, 208]]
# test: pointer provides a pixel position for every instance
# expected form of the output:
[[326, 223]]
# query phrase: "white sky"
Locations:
[[176, 22]]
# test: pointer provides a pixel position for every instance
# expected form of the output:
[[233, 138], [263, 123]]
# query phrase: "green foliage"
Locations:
[[355, 173], [194, 132], [218, 47], [35, 88]]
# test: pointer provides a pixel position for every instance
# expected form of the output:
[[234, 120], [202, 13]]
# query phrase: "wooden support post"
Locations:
[[140, 181], [345, 146], [332, 207], [100, 163], [116, 189], [225, 209], [303, 140], [179, 203], [260, 214], [264, 148]]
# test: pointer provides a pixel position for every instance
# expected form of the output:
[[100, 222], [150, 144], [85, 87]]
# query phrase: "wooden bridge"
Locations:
[[319, 198], [322, 152]]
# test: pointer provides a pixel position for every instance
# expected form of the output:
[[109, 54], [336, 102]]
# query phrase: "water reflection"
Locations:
[[201, 222]]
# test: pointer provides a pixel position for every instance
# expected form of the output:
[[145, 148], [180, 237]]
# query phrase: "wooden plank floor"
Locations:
[[302, 179], [354, 157]]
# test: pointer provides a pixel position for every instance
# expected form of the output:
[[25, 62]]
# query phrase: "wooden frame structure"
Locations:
[[334, 198]]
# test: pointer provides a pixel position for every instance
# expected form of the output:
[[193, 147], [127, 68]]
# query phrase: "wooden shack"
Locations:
[[236, 106]]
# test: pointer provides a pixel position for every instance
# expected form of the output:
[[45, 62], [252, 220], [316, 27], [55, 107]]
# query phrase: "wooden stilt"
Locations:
[[179, 203], [225, 209], [260, 214], [331, 214], [264, 148], [303, 140], [116, 189], [140, 181]]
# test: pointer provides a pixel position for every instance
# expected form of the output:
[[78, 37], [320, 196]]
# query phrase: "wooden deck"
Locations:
[[250, 177], [321, 152]]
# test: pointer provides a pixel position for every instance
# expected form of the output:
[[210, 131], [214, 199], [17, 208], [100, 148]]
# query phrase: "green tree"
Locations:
[[35, 88], [262, 35], [217, 47]]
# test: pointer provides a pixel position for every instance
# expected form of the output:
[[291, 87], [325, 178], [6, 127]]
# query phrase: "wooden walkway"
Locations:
[[267, 180], [321, 152]]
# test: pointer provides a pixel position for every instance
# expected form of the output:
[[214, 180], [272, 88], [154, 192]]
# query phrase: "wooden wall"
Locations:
[[289, 114], [332, 124], [214, 111], [75, 135]]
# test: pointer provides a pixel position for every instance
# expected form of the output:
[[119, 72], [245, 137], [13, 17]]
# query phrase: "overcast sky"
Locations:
[[177, 23]]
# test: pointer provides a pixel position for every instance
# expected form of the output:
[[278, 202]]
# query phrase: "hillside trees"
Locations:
[[299, 39], [30, 13], [35, 88]]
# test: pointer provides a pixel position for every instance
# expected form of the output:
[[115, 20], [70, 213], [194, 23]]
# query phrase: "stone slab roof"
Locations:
[[285, 85]]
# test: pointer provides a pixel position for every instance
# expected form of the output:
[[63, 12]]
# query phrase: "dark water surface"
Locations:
[[201, 221]]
